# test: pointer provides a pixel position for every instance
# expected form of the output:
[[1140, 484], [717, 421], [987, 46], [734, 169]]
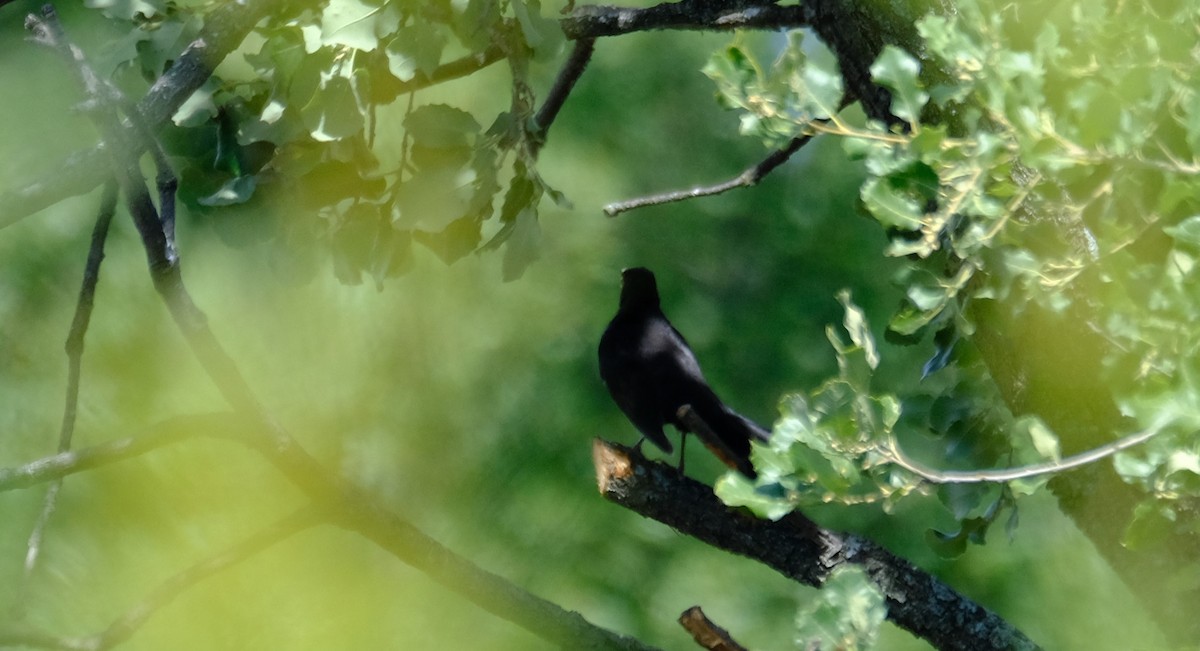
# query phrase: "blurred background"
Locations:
[[467, 403]]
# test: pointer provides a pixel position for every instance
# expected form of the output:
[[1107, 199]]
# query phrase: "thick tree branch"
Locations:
[[595, 21], [486, 590], [354, 509], [799, 549]]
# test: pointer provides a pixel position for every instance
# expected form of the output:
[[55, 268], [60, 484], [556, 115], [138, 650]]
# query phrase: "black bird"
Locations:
[[652, 373]]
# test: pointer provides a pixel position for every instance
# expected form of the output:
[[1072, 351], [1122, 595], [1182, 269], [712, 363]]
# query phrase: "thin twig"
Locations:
[[226, 26], [493, 593], [128, 623], [74, 349], [749, 177], [563, 84], [1024, 472], [168, 432], [121, 628]]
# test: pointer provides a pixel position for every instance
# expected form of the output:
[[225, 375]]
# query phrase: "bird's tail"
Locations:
[[727, 434]]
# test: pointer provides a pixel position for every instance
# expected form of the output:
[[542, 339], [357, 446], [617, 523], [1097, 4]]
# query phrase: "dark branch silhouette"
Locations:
[[563, 84], [74, 350], [751, 176], [801, 550], [595, 21], [346, 504]]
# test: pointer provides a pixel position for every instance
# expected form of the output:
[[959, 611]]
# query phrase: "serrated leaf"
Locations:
[[823, 82], [1152, 523], [734, 72], [766, 501], [899, 71], [416, 48], [334, 111], [890, 206], [198, 108], [1186, 232], [434, 198], [1044, 440], [855, 323], [351, 23], [847, 614], [522, 246], [236, 190], [441, 126]]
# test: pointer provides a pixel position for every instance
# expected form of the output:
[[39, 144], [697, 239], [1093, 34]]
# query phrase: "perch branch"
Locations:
[[489, 591], [751, 176], [74, 349], [706, 633], [799, 549]]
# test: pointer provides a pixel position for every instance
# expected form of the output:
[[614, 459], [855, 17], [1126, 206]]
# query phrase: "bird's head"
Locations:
[[638, 288]]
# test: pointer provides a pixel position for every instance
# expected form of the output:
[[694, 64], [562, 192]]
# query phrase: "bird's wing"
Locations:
[[632, 383]]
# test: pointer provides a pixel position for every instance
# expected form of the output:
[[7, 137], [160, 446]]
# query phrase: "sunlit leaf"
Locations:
[[899, 71]]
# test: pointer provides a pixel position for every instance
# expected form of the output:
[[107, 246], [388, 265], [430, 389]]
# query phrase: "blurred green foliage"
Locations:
[[467, 402]]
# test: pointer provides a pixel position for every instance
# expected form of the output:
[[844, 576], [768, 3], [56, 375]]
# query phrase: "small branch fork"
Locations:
[[332, 499], [751, 176], [799, 549], [227, 26], [74, 350]]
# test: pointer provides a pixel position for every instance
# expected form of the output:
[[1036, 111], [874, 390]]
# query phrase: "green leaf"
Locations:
[[892, 207], [441, 126], [847, 613], [1186, 232], [236, 190], [855, 322], [198, 108], [822, 82], [899, 71], [767, 501], [735, 73], [1043, 439], [543, 35], [416, 48], [128, 9], [334, 111], [1152, 523], [521, 249], [434, 197], [352, 23]]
